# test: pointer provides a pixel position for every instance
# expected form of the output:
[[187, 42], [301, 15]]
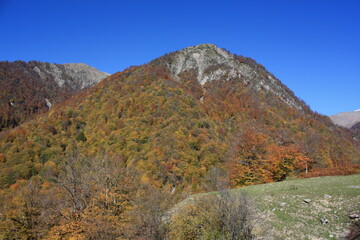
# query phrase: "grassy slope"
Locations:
[[299, 220]]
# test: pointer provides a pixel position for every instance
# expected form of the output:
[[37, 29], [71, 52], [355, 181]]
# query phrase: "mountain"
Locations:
[[32, 87], [103, 161], [191, 109], [207, 62], [346, 119]]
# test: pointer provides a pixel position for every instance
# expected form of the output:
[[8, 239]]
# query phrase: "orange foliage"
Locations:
[[282, 160], [248, 163]]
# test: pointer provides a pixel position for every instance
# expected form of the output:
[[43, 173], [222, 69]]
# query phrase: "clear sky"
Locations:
[[312, 46]]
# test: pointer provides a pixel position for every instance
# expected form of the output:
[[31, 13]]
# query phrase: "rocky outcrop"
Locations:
[[212, 63]]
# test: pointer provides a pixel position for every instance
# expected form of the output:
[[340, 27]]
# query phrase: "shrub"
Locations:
[[224, 216]]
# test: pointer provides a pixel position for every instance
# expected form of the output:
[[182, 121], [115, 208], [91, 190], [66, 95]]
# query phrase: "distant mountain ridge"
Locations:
[[74, 75], [346, 119], [32, 87]]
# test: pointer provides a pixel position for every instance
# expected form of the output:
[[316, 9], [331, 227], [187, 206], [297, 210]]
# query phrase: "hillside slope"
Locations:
[[282, 213], [355, 129], [32, 87]]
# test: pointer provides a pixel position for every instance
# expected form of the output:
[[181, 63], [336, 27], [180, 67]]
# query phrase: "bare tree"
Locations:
[[72, 179], [149, 213], [25, 217], [235, 216], [216, 179]]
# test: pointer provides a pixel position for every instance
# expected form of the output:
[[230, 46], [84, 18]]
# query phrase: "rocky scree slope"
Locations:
[[32, 87]]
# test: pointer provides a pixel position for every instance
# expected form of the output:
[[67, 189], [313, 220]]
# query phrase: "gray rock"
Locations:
[[48, 103], [283, 204], [327, 196], [354, 215], [307, 200], [324, 220]]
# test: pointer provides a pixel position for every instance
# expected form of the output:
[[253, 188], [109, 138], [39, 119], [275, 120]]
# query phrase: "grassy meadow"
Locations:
[[282, 213]]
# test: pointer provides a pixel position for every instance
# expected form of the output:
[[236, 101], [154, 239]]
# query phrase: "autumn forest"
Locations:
[[114, 160]]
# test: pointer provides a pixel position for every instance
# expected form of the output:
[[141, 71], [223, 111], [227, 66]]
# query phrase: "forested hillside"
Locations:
[[29, 88], [356, 130], [103, 162]]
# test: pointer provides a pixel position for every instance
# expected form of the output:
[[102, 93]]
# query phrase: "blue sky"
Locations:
[[311, 46]]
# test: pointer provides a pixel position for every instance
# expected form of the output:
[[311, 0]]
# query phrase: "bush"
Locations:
[[224, 216], [80, 137]]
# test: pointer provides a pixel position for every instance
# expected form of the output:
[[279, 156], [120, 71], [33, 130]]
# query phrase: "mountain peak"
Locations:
[[203, 47], [207, 63], [199, 58]]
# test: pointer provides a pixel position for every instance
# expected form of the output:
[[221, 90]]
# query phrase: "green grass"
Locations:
[[299, 220]]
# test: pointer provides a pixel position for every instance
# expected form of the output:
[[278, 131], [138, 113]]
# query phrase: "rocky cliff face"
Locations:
[[346, 119], [211, 63], [33, 87]]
